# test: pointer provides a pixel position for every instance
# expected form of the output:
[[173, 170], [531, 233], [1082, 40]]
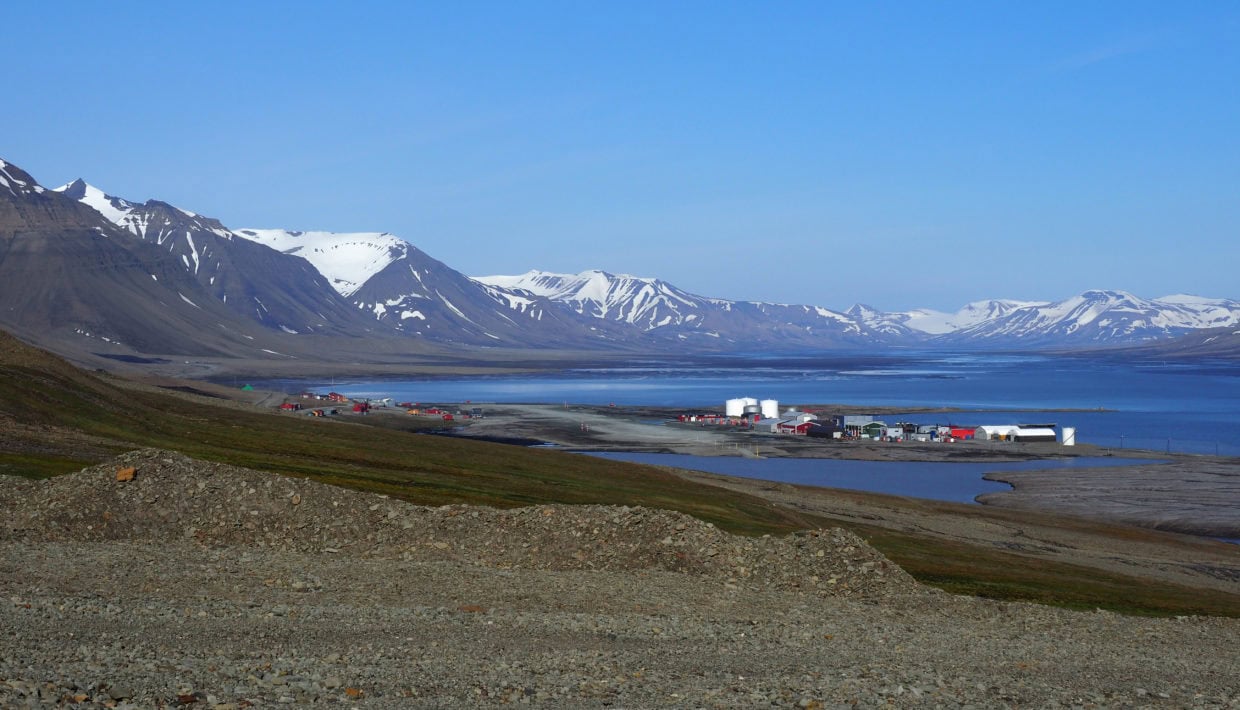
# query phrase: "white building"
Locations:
[[996, 432], [1029, 432]]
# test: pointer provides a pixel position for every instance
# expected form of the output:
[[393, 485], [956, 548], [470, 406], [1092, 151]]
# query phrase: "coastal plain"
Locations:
[[1060, 514]]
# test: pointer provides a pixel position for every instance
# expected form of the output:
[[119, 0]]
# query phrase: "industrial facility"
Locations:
[[764, 416]]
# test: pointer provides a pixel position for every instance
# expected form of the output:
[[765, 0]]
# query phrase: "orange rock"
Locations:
[[126, 474], [353, 692]]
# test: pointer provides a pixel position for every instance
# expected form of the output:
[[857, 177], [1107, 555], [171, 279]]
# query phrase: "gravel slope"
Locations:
[[206, 585]]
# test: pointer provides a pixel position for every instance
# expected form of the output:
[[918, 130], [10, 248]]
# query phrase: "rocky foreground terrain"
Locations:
[[203, 585]]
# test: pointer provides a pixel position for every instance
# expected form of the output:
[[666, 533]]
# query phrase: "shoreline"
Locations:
[[1187, 493]]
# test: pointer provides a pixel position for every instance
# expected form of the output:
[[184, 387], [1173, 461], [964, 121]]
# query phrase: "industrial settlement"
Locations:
[[765, 416]]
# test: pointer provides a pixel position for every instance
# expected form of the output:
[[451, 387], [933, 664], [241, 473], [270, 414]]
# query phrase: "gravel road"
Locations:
[[210, 586]]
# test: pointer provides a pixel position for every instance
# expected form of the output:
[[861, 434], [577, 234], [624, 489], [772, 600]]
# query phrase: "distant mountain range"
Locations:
[[76, 262]]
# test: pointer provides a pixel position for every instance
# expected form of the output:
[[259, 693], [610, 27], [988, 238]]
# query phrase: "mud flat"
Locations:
[[1195, 495], [1034, 533]]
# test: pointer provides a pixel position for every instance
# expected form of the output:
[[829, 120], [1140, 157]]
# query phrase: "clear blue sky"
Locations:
[[898, 154]]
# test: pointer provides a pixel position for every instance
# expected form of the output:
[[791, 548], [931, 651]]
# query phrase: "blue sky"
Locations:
[[897, 154]]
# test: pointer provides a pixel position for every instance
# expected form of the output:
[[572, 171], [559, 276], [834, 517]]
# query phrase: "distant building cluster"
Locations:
[[765, 416], [364, 405]]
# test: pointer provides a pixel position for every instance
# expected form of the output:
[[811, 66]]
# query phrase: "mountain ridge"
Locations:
[[360, 285]]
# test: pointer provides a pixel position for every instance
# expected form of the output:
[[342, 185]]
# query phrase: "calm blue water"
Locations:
[[955, 482], [1177, 407]]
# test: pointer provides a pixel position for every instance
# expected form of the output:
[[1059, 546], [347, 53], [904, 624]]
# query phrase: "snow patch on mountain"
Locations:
[[347, 259], [17, 181], [1100, 316], [153, 221], [644, 302], [935, 322], [114, 209]]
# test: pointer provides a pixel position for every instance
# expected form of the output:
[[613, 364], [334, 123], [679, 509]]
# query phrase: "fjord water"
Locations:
[[1193, 408]]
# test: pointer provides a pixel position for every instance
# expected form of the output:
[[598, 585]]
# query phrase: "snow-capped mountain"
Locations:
[[1099, 318], [395, 283], [277, 291], [937, 323], [160, 278], [642, 302], [1091, 318], [70, 277], [659, 309], [153, 221], [931, 322], [663, 312]]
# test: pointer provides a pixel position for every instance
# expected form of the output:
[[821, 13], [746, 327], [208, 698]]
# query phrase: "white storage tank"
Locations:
[[750, 401], [770, 408], [1069, 436], [734, 407]]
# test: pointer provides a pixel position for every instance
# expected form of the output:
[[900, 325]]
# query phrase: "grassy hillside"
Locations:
[[59, 419], [55, 418]]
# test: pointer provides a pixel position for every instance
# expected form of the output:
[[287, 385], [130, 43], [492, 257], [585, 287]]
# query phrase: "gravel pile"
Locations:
[[174, 497], [206, 586]]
